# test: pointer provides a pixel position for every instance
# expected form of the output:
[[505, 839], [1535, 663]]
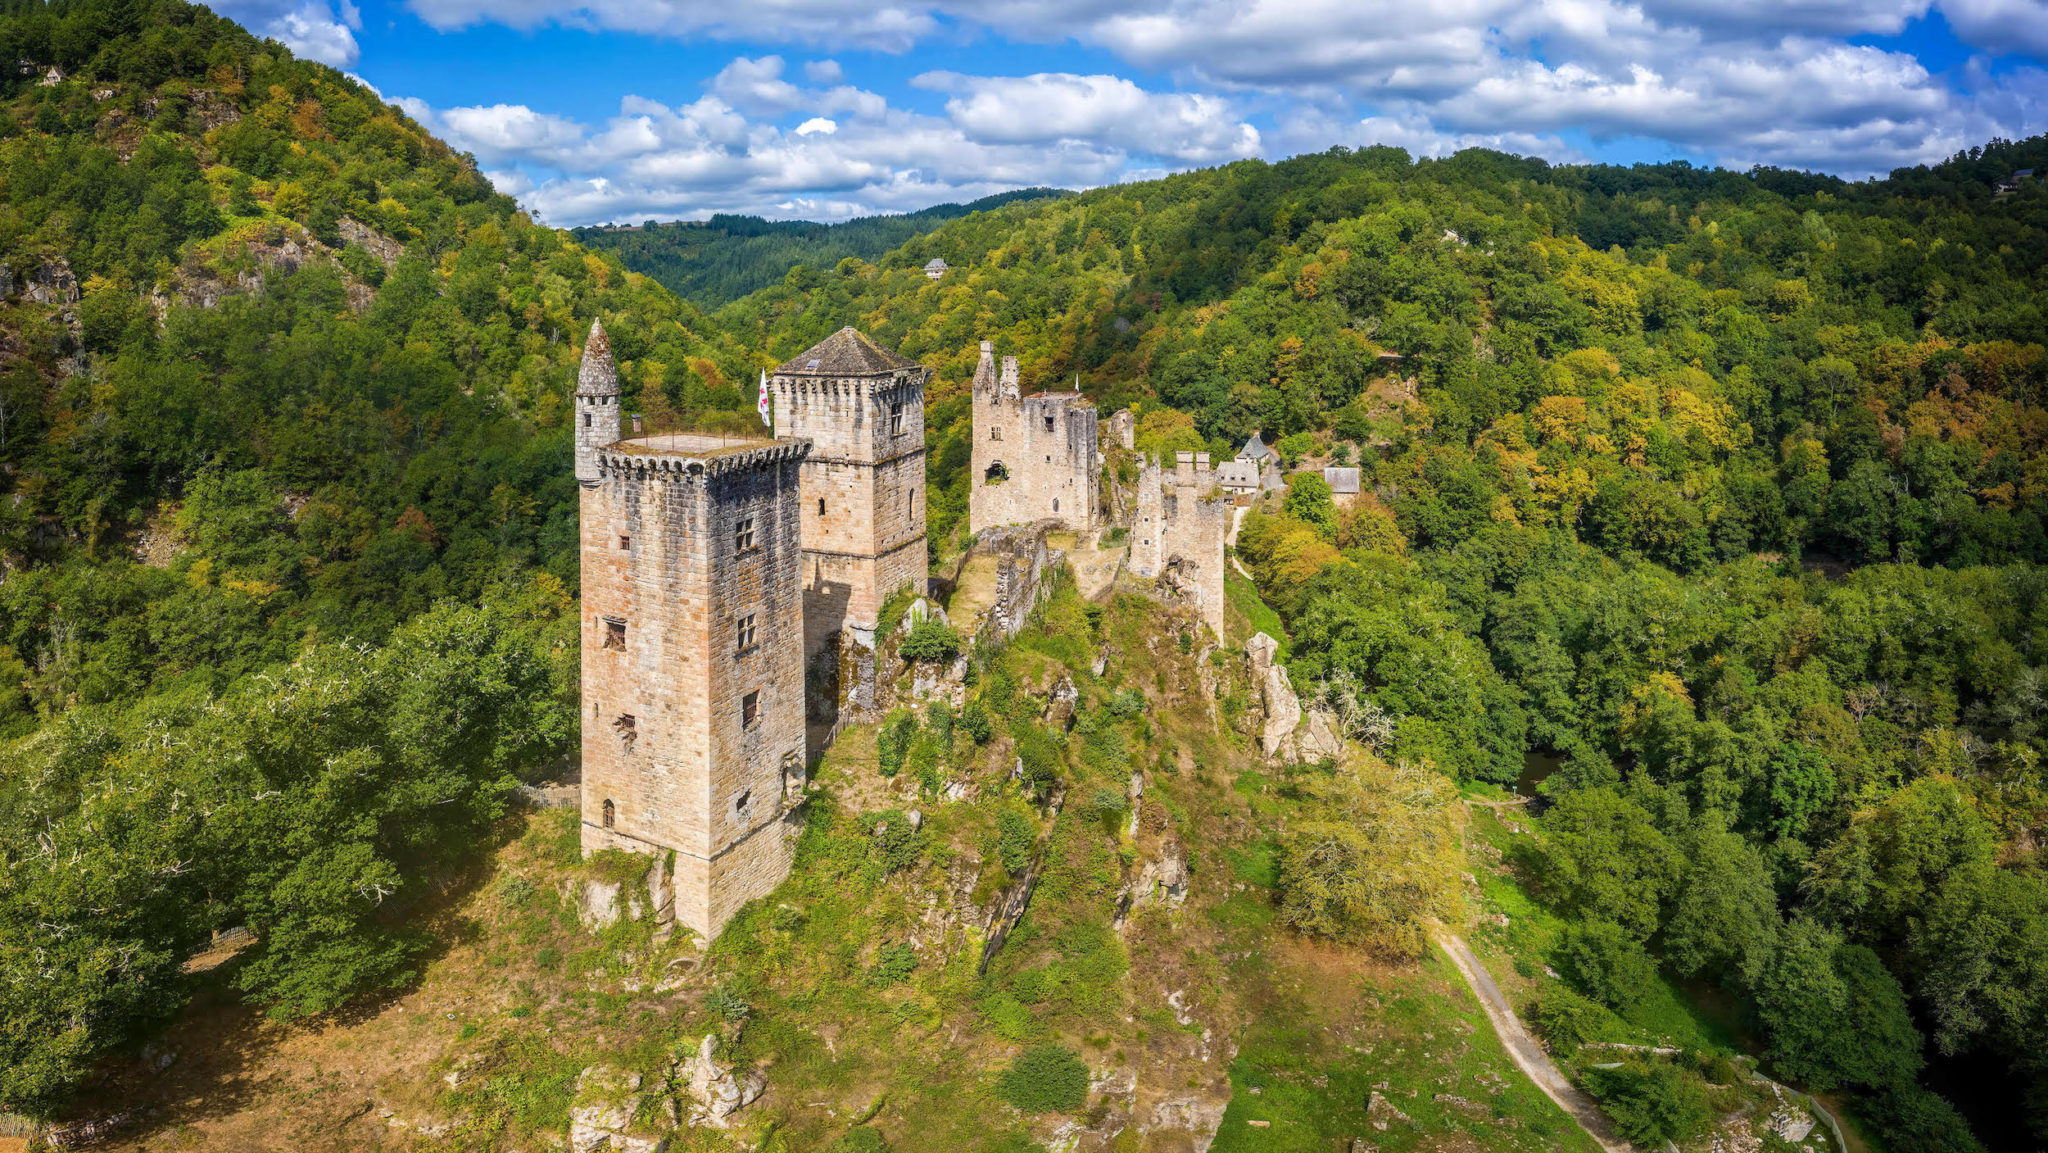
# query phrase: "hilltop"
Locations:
[[716, 261]]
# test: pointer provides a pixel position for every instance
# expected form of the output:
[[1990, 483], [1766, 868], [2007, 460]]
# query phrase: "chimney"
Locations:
[[636, 424], [985, 368]]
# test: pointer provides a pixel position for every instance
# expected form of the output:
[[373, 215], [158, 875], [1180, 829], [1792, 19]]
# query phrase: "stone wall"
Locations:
[[1178, 531], [1035, 457], [669, 760]]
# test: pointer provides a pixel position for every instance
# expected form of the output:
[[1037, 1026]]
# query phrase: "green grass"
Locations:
[[1309, 1071], [1242, 596]]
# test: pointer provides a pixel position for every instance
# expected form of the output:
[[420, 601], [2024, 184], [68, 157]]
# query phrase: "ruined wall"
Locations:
[[1035, 457], [863, 504], [665, 741], [1178, 531]]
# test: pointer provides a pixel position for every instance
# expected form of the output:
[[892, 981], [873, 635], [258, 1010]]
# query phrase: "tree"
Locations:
[[1725, 912], [1309, 501], [1375, 857], [1604, 859], [1886, 868], [1832, 1014], [1605, 963]]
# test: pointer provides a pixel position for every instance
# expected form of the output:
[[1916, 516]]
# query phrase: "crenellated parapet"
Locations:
[[1177, 533]]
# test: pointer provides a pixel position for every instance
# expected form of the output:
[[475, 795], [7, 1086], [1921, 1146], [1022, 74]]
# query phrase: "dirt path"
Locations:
[[1523, 1048]]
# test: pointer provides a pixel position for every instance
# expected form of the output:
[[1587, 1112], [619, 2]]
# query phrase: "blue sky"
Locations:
[[602, 110]]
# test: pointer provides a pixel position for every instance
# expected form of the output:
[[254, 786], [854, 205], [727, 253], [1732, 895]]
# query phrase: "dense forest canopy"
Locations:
[[1726, 488], [716, 261]]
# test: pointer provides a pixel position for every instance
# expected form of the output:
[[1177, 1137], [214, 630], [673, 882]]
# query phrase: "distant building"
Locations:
[[1256, 452], [1238, 478], [1343, 483], [935, 268], [2012, 183]]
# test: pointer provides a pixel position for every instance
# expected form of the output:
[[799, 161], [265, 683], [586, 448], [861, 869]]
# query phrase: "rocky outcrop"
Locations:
[[1195, 1116], [714, 1090], [370, 240], [1288, 732], [51, 282], [602, 1118]]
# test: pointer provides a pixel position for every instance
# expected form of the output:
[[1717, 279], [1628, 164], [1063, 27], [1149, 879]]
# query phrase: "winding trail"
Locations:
[[1522, 1047]]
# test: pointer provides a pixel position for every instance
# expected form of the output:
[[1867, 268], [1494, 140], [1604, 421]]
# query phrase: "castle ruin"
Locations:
[[1177, 533], [1035, 457], [704, 558]]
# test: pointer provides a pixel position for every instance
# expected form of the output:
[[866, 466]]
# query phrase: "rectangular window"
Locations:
[[743, 633], [750, 709], [625, 542], [1048, 424], [743, 534], [995, 434], [614, 633], [896, 419]]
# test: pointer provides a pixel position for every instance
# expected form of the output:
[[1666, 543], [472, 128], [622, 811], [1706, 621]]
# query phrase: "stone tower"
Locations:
[[1182, 518], [597, 403], [862, 408], [693, 694], [1035, 457]]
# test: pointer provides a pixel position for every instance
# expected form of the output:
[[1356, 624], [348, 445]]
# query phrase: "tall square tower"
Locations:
[[693, 699], [862, 408]]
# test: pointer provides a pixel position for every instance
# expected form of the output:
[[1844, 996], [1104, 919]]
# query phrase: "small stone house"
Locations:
[[935, 268]]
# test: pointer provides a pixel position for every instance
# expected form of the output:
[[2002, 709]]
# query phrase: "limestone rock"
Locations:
[[1283, 710], [53, 283], [1381, 1112], [601, 1120], [1318, 738], [1059, 711], [1196, 1116], [717, 1090], [598, 903]]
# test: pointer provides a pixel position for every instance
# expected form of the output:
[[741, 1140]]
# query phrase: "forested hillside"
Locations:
[[1622, 408], [716, 261], [281, 375]]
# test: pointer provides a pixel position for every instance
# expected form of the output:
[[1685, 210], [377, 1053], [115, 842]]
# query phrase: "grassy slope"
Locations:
[[519, 1000]]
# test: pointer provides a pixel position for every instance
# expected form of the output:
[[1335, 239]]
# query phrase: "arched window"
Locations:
[[1055, 504], [611, 813], [996, 474]]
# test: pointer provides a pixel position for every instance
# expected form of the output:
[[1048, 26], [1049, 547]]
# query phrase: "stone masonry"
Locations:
[[1035, 457], [1177, 534], [863, 511], [693, 695]]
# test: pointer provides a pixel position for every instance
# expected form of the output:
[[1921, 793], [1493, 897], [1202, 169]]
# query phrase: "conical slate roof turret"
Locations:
[[848, 352], [598, 376]]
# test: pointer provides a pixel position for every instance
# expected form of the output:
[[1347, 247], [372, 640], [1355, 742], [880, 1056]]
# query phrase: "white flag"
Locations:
[[764, 404]]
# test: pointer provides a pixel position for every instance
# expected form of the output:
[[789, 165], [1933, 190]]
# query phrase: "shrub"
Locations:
[[1651, 1104], [974, 722], [931, 641], [1047, 1079], [1015, 836], [897, 845], [893, 741], [1566, 1020], [1602, 961], [727, 1002], [893, 965]]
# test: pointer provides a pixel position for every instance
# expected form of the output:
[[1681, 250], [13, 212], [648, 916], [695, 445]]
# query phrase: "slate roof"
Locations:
[[848, 352], [1254, 449], [936, 262], [1238, 474], [1343, 481]]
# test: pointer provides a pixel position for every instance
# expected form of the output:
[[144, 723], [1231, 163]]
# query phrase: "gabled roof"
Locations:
[[848, 352], [1238, 474], [1254, 449], [936, 262]]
